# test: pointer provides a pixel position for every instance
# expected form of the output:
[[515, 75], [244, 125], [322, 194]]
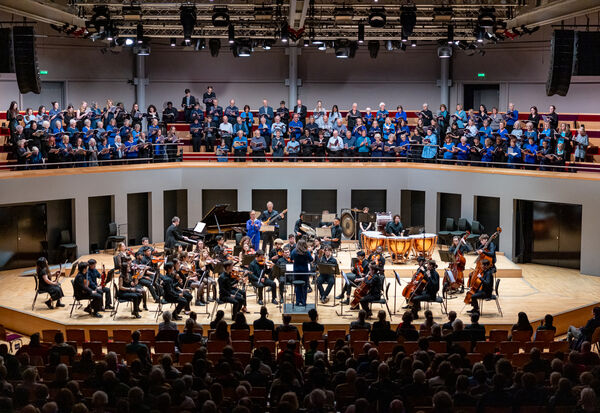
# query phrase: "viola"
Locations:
[[358, 266]]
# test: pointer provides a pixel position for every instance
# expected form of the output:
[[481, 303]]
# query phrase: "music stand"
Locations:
[[267, 228], [446, 256], [323, 232], [327, 218], [279, 273], [329, 269], [247, 259], [236, 250], [341, 313]]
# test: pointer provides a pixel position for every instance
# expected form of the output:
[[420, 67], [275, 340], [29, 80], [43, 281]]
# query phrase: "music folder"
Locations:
[[267, 228], [328, 269], [327, 217], [323, 232], [289, 267], [446, 256]]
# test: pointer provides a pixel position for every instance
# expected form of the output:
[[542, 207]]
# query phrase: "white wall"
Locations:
[[469, 182]]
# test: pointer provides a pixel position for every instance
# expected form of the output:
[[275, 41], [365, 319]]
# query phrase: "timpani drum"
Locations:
[[371, 240], [423, 244], [399, 246]]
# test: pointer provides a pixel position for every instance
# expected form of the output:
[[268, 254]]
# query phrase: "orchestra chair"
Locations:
[[113, 236], [441, 301], [117, 301], [37, 292], [494, 297], [498, 335], [99, 335], [67, 245], [476, 231], [11, 338], [543, 335], [445, 236], [383, 300], [77, 301], [462, 228], [76, 336]]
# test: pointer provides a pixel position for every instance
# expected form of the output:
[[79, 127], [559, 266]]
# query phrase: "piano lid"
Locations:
[[224, 217]]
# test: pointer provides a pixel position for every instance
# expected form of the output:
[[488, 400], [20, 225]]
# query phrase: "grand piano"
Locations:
[[218, 221]]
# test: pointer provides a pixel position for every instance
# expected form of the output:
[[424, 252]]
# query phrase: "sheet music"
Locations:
[[199, 227]]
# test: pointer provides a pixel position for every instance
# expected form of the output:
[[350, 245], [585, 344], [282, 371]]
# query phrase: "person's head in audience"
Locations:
[[452, 316], [287, 319], [313, 315], [167, 317], [457, 325], [381, 316]]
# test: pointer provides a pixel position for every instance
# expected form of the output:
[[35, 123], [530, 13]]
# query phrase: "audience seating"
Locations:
[[509, 347], [269, 344], [76, 335], [121, 335], [242, 346], [543, 335], [263, 335], [498, 335], [117, 347], [101, 336], [95, 347], [520, 336], [48, 335], [240, 335], [485, 347]]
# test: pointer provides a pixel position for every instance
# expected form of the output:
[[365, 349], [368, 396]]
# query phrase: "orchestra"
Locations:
[[170, 276]]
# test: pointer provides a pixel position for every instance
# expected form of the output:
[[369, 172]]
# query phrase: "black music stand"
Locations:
[[279, 273], [247, 259], [328, 269], [447, 256], [396, 284], [341, 313]]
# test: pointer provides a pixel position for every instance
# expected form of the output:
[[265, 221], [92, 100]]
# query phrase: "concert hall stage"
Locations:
[[535, 289]]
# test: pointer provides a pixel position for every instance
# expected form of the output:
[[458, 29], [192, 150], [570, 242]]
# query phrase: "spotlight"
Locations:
[[129, 41], [242, 48], [142, 49], [231, 34], [404, 38], [220, 17], [487, 17], [345, 49], [306, 43], [187, 17], [373, 47], [450, 36], [361, 33], [377, 17], [413, 43], [389, 46], [284, 33], [266, 45], [199, 44], [322, 46], [408, 20], [140, 33], [100, 19], [479, 32], [214, 45], [444, 52]]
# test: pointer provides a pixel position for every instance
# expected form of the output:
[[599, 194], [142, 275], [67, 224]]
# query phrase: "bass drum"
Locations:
[[348, 225]]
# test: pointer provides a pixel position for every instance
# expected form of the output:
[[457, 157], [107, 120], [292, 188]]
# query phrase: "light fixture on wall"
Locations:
[[450, 35], [377, 17], [173, 42], [408, 20], [220, 17], [128, 41]]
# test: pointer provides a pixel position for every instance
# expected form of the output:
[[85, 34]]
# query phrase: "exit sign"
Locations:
[[481, 75], [43, 72]]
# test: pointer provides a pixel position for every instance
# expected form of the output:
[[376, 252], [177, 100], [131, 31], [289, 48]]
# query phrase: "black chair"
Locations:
[[494, 297], [67, 245], [476, 231], [113, 236], [117, 301], [463, 227], [383, 300], [441, 301], [37, 291], [76, 301], [445, 236]]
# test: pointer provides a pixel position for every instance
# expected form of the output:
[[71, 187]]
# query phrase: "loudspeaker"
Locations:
[[26, 66], [587, 54], [6, 54], [561, 62]]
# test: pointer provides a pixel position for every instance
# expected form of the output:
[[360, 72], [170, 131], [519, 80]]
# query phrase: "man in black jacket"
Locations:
[[431, 288], [208, 98], [92, 275], [172, 292], [585, 333], [259, 277], [263, 323], [301, 110], [173, 236], [187, 103], [82, 291], [375, 283], [486, 288], [228, 291]]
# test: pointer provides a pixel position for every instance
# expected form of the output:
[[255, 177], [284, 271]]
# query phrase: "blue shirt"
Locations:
[[503, 133], [533, 149], [301, 261], [529, 134], [225, 149], [488, 154], [293, 147], [486, 131], [387, 129], [430, 150], [381, 115], [349, 142], [296, 128], [248, 117], [240, 126], [368, 118], [463, 156], [511, 117], [363, 142], [134, 152], [462, 118], [357, 132], [516, 158], [401, 115], [252, 229], [404, 144], [241, 147], [448, 154]]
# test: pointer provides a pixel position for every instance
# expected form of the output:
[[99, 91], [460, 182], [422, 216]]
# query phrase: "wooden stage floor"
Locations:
[[535, 289]]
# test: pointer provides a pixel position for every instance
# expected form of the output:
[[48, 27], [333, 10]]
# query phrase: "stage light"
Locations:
[[413, 43], [389, 46], [100, 20], [214, 45], [306, 43], [479, 32], [242, 48], [200, 44], [187, 17], [128, 41], [404, 38], [220, 17], [140, 33], [322, 46], [284, 33], [361, 33], [231, 34], [377, 17], [343, 14], [267, 45], [444, 52], [408, 20], [345, 49], [142, 49], [450, 37], [373, 47]]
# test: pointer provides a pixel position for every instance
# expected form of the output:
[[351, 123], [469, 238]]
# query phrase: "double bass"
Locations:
[[457, 268], [476, 273]]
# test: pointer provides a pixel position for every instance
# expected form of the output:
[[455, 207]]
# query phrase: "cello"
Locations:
[[408, 291], [456, 268], [362, 290], [476, 273]]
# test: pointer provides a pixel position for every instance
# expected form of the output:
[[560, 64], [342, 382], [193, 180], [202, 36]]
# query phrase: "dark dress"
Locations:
[[55, 292]]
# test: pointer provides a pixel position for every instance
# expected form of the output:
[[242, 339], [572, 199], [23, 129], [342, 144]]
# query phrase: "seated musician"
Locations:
[[228, 292], [359, 269], [127, 290], [82, 291], [246, 247], [464, 247], [146, 276], [377, 257], [259, 277], [205, 266], [219, 251], [188, 278], [374, 279], [172, 234], [146, 245], [291, 244], [47, 285], [277, 250], [490, 251], [395, 227], [486, 288], [92, 275], [298, 226], [173, 293], [328, 279], [336, 235], [429, 293]]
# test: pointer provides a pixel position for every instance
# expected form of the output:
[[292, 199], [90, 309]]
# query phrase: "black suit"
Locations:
[[171, 236], [82, 291], [302, 112], [229, 293], [431, 289], [171, 294], [187, 107], [264, 324]]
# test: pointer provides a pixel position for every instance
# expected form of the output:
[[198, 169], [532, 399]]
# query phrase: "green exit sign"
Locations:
[[43, 72], [480, 74]]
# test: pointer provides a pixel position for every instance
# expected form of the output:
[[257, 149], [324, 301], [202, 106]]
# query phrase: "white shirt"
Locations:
[[335, 143]]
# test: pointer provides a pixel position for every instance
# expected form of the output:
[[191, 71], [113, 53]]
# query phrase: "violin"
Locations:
[[103, 277], [358, 266], [264, 261]]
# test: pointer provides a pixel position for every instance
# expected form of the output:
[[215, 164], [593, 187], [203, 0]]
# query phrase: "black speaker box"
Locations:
[[6, 54], [26, 66], [561, 63], [587, 54]]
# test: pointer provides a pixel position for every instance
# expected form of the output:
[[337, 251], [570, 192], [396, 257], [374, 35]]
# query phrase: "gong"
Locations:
[[348, 225]]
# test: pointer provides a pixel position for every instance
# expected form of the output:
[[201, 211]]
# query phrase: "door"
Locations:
[[22, 235], [481, 94]]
